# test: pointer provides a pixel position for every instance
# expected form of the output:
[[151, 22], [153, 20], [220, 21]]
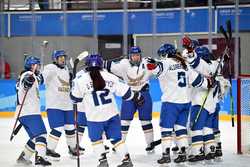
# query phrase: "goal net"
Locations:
[[243, 116]]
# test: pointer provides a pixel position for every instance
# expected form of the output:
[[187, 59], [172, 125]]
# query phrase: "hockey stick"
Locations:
[[229, 30], [18, 115], [43, 47], [17, 129], [79, 58]]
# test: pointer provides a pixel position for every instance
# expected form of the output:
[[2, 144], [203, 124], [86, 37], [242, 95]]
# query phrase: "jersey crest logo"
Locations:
[[63, 82], [135, 81], [65, 86]]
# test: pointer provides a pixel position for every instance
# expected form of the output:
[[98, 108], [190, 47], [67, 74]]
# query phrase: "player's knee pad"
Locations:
[[69, 130], [125, 125], [146, 125], [56, 133], [208, 135], [81, 129]]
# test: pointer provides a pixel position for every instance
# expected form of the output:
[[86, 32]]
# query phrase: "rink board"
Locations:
[[8, 100]]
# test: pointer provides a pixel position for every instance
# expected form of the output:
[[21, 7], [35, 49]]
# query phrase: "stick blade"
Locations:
[[82, 55], [229, 29], [222, 30]]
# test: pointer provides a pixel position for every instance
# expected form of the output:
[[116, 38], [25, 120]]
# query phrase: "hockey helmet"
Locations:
[[29, 61], [135, 50], [94, 61], [166, 50]]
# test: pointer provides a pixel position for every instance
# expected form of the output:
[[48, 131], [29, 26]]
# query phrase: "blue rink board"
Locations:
[[8, 97]]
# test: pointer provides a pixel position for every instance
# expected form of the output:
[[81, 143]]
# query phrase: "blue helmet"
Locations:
[[204, 53], [29, 61], [94, 60], [58, 53], [166, 50], [195, 43], [135, 50]]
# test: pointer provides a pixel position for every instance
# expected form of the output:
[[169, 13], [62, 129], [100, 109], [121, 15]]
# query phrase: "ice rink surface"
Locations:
[[9, 151]]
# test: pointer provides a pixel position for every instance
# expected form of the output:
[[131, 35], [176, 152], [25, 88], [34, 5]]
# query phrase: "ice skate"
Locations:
[[52, 155], [165, 157], [126, 162], [22, 161], [41, 162]]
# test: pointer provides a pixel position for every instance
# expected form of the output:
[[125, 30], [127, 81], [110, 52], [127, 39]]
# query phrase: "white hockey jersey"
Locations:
[[57, 85], [199, 95], [100, 105], [135, 76], [175, 81], [31, 104]]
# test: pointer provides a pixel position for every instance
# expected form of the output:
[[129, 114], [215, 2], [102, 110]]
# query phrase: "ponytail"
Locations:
[[98, 81], [180, 59]]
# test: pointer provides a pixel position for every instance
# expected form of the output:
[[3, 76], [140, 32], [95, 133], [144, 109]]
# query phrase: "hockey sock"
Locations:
[[208, 139], [70, 135], [148, 131], [81, 130], [53, 138], [29, 149], [197, 141], [40, 145], [125, 127], [166, 138], [217, 136], [120, 147], [181, 136]]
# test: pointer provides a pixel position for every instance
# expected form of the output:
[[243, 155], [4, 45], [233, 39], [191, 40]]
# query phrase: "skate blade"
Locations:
[[150, 152], [181, 164], [52, 158], [195, 163], [21, 165], [208, 162], [165, 165]]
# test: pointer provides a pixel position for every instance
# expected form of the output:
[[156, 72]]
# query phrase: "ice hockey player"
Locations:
[[135, 73], [206, 126], [96, 89], [59, 105], [30, 116], [175, 78]]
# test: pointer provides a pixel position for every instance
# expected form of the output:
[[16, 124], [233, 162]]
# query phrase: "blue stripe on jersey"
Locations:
[[75, 99], [198, 81], [160, 65], [127, 95], [195, 62]]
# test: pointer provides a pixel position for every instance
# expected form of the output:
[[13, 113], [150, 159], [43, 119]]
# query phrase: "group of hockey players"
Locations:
[[186, 80]]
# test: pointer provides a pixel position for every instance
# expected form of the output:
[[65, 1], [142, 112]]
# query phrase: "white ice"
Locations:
[[9, 151]]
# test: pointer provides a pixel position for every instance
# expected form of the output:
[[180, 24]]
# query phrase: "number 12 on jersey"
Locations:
[[101, 97]]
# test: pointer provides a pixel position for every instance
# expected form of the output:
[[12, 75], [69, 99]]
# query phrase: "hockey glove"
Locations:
[[211, 82], [152, 64], [138, 99], [28, 81]]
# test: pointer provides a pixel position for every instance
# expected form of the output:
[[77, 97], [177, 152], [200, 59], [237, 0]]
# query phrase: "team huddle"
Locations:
[[191, 84]]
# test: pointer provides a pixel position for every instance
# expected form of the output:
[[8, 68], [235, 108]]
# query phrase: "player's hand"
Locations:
[[151, 63], [212, 82], [28, 81]]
